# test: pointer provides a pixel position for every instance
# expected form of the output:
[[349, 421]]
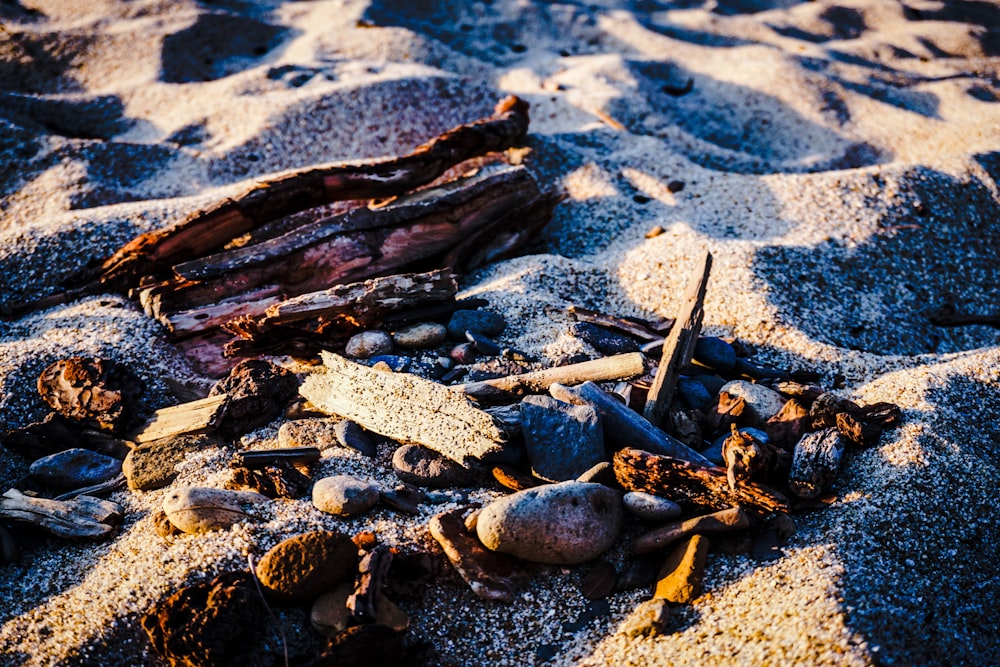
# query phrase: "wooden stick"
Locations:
[[211, 228], [200, 416], [623, 426], [618, 367], [405, 408], [259, 458], [707, 486], [619, 324], [679, 346]]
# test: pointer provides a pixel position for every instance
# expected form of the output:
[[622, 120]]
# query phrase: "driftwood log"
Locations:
[[623, 426], [682, 481], [405, 408], [204, 231], [80, 517], [678, 348], [200, 416]]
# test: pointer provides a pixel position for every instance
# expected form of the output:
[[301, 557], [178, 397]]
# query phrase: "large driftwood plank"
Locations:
[[200, 416], [209, 229], [405, 408], [682, 481], [678, 348], [81, 517], [623, 426], [618, 367]]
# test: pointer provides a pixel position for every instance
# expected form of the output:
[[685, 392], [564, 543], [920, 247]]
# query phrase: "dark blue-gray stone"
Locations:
[[350, 434], [716, 353], [604, 341], [693, 393], [75, 469], [713, 383], [481, 321], [563, 441], [483, 344]]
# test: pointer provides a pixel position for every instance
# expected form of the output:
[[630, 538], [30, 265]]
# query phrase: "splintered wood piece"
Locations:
[[185, 323], [679, 346], [618, 367], [623, 426], [200, 416], [620, 324], [81, 517], [372, 572], [211, 228], [405, 408], [682, 481]]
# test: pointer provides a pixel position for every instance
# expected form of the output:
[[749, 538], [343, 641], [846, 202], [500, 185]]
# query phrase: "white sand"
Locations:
[[837, 161]]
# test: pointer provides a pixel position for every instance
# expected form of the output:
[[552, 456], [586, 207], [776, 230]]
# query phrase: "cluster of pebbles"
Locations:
[[573, 497]]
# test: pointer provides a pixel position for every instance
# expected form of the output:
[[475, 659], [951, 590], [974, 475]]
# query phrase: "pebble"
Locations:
[[368, 344], [562, 524], [424, 467], [75, 469], [404, 498], [730, 519], [480, 321], [715, 353], [606, 342], [650, 618], [198, 510], [320, 432], [420, 336], [483, 345], [301, 568], [463, 353], [395, 362], [693, 393], [680, 579], [153, 465], [351, 435], [764, 402], [490, 575], [649, 507], [344, 495], [563, 440]]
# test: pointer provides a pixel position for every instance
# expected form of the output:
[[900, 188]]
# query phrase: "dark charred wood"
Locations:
[[371, 580]]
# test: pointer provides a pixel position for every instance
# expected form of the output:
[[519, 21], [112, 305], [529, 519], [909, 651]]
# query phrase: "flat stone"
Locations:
[[650, 618], [351, 435], [715, 353], [764, 402], [198, 510], [649, 507], [491, 575], [562, 524], [153, 465], [318, 432], [344, 495], [425, 467], [481, 321], [75, 469], [368, 344], [420, 336], [563, 440], [211, 623], [304, 567], [680, 579], [258, 392], [722, 521], [606, 342]]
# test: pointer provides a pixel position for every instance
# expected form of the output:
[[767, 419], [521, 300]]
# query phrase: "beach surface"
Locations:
[[839, 159]]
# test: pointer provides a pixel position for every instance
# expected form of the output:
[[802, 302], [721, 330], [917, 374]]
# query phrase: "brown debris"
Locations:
[[94, 391], [258, 392], [280, 480]]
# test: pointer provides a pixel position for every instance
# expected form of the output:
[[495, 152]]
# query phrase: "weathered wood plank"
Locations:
[[405, 408], [200, 416]]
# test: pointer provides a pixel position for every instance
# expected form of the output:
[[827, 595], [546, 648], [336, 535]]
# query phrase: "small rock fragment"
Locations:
[[511, 478], [98, 392], [420, 336], [649, 507], [725, 520], [693, 393], [650, 618], [391, 362], [480, 321], [680, 579], [463, 353], [715, 353], [787, 427], [367, 344], [319, 432], [563, 440], [163, 527], [258, 391], [482, 344], [199, 510], [75, 469], [425, 467], [491, 575], [563, 524], [606, 342], [351, 435], [303, 567], [764, 402], [212, 624], [344, 496], [404, 498], [152, 465]]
